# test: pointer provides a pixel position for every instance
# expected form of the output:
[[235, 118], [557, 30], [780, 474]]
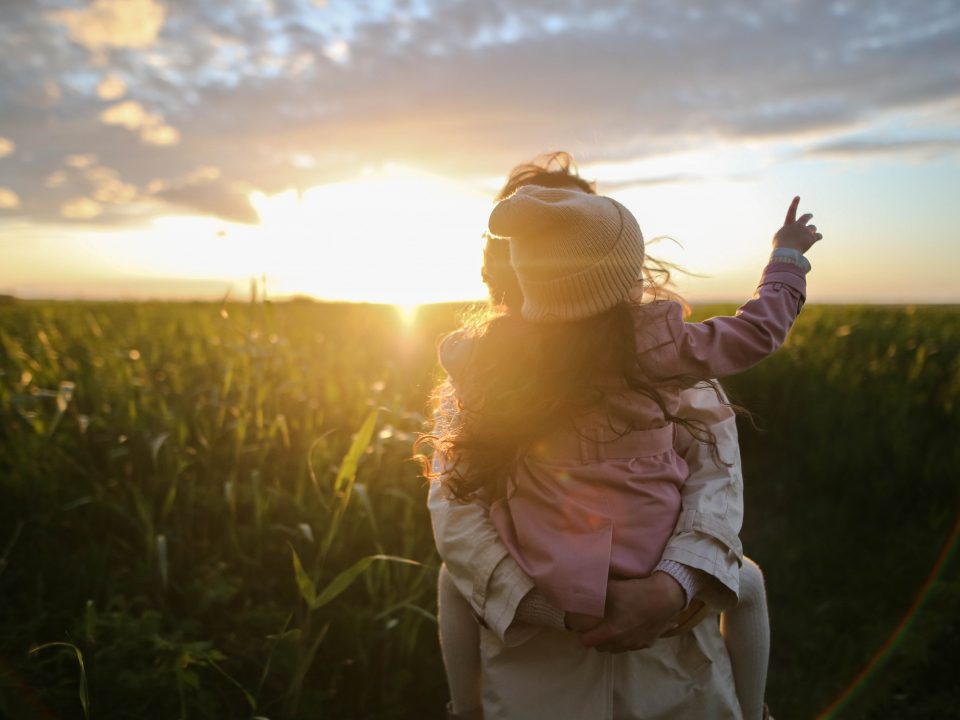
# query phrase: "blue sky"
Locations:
[[117, 114]]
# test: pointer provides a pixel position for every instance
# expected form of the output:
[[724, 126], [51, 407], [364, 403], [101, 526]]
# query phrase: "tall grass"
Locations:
[[853, 487], [210, 508], [164, 470]]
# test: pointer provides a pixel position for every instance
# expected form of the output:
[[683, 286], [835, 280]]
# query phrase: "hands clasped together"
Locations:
[[638, 611]]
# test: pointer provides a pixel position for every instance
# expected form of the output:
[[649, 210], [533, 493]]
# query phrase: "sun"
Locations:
[[407, 313], [395, 235]]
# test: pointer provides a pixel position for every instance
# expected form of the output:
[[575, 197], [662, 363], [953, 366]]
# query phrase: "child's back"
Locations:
[[598, 493]]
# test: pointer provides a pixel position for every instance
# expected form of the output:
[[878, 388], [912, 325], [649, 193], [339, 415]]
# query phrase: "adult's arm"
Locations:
[[705, 538], [478, 562]]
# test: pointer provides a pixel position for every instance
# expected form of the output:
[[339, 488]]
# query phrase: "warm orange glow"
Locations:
[[396, 235], [407, 313]]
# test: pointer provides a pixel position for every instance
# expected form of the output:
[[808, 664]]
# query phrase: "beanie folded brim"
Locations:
[[591, 291], [575, 254]]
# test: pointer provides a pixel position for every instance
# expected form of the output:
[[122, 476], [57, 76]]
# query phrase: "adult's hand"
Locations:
[[637, 613]]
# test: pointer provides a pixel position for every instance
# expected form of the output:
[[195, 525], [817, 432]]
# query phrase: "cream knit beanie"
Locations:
[[575, 254]]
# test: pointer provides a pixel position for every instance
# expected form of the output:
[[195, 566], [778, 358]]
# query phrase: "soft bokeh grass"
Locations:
[[161, 463], [853, 485]]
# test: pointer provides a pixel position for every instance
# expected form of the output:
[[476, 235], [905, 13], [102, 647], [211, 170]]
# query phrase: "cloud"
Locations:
[[107, 186], [9, 200], [338, 52], [291, 94], [150, 126], [6, 147], [610, 186], [129, 114], [859, 147], [160, 134], [202, 190], [80, 161], [111, 87], [461, 95], [114, 23], [81, 208], [55, 179], [223, 200], [203, 173]]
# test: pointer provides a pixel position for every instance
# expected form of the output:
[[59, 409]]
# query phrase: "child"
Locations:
[[576, 400]]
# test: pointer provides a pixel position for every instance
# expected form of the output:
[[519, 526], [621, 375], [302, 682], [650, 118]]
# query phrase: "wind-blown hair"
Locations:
[[523, 379], [520, 379]]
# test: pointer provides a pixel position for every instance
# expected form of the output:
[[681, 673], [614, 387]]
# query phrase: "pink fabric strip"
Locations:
[[597, 444]]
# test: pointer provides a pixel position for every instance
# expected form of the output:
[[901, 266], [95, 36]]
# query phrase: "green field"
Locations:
[[165, 467]]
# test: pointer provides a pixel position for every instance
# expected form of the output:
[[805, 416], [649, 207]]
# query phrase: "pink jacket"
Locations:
[[595, 501]]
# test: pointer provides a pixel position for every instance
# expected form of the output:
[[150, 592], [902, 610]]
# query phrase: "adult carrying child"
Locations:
[[567, 412]]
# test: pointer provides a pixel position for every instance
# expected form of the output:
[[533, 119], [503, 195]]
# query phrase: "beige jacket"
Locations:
[[532, 672]]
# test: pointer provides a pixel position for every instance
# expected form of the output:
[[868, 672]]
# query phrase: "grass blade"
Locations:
[[84, 694], [307, 589], [346, 475], [345, 579]]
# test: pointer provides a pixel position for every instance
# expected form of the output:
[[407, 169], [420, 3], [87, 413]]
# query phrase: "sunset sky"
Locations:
[[349, 150]]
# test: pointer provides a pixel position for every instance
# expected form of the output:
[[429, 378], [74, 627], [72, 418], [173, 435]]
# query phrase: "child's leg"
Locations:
[[746, 632], [459, 645]]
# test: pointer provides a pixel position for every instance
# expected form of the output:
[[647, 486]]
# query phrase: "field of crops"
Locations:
[[207, 511]]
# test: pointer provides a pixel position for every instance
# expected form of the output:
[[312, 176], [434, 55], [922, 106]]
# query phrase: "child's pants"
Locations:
[[746, 632], [459, 645]]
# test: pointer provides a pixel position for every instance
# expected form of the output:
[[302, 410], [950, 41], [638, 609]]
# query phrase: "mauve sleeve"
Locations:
[[728, 345]]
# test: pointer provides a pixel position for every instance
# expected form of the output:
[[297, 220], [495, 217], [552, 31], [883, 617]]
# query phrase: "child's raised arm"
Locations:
[[725, 346]]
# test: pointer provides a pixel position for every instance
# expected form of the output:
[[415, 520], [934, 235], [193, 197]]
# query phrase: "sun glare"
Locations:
[[406, 238], [396, 236], [407, 313]]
